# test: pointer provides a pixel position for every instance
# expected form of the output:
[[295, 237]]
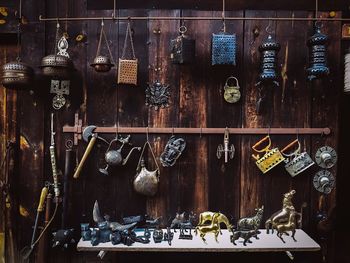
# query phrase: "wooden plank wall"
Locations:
[[198, 181]]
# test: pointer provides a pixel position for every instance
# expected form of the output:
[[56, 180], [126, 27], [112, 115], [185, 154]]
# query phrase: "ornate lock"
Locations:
[[324, 181], [326, 157], [232, 93], [182, 48], [296, 162], [270, 159]]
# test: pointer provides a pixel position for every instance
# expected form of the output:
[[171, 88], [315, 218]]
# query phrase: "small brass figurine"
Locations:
[[185, 225], [209, 222], [284, 220]]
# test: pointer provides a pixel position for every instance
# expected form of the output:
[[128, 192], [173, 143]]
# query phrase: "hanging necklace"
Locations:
[[157, 93]]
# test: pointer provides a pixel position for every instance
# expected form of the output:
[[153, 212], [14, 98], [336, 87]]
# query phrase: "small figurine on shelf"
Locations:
[[251, 223], [209, 222], [245, 234], [85, 231], [157, 235], [284, 220], [168, 236], [185, 225], [95, 236]]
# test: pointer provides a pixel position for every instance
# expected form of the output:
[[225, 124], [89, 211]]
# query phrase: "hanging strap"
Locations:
[[128, 35], [103, 33], [142, 152]]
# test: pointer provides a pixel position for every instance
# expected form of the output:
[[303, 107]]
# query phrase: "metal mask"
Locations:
[[296, 162], [182, 48], [173, 150], [270, 159], [145, 181]]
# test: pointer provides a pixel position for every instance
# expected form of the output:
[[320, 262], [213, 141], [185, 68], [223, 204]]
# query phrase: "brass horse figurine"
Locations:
[[215, 220], [284, 220]]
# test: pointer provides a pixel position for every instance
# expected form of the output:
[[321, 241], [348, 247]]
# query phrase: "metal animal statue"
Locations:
[[186, 226], [289, 226], [251, 223], [246, 235], [213, 227], [281, 216], [208, 216], [176, 223]]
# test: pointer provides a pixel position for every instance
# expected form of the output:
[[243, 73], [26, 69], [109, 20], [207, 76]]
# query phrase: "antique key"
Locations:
[[231, 92], [270, 159]]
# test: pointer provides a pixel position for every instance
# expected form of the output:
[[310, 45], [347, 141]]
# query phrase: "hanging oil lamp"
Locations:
[[157, 93], [318, 55], [57, 65], [102, 63], [16, 74]]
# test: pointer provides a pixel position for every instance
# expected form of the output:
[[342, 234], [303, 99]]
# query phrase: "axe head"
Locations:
[[88, 132]]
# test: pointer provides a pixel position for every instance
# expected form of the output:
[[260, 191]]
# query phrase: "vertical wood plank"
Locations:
[[167, 117]]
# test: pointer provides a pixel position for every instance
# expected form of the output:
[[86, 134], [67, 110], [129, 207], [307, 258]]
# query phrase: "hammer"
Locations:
[[87, 133]]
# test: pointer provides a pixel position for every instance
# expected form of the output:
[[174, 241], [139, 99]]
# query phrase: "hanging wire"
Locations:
[[223, 17]]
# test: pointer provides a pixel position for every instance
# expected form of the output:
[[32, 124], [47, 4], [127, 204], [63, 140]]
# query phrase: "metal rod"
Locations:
[[41, 18], [241, 131]]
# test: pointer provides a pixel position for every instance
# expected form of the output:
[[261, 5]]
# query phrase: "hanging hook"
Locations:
[[298, 134], [147, 131], [268, 29], [102, 23], [223, 16], [200, 134], [172, 131]]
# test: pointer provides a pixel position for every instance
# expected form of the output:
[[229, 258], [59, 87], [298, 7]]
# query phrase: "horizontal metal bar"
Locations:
[[327, 19], [241, 131]]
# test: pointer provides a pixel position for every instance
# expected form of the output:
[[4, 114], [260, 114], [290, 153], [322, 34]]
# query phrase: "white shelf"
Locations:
[[265, 243]]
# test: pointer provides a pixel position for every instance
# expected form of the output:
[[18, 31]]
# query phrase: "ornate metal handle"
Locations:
[[266, 138], [296, 141]]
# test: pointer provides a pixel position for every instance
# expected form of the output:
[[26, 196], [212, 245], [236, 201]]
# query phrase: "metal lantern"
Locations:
[[269, 50], [16, 74], [57, 65], [102, 63], [318, 55], [182, 48]]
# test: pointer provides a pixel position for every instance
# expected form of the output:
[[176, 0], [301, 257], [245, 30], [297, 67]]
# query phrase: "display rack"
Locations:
[[265, 243]]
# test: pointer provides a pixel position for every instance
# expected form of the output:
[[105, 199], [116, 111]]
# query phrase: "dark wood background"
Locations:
[[198, 182]]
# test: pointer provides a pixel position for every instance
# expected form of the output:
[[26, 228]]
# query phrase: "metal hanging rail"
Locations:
[[77, 129], [55, 19]]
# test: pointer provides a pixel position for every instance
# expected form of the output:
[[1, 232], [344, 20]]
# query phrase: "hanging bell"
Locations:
[[269, 50], [102, 63], [318, 55], [16, 74]]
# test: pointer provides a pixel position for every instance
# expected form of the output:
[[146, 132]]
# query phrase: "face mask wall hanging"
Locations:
[[270, 159], [318, 55], [127, 69], [103, 63], [231, 90], [173, 150], [296, 162], [145, 181], [182, 48]]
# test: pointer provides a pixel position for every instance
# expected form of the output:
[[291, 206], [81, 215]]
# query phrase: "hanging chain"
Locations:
[[223, 17], [128, 35], [157, 69], [103, 34]]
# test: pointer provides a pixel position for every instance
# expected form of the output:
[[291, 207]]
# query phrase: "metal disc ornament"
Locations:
[[58, 101], [324, 181], [326, 157]]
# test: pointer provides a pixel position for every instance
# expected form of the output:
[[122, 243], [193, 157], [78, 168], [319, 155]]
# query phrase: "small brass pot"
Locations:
[[16, 74]]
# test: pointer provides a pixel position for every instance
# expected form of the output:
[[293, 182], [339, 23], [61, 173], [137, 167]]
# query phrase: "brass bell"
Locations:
[[102, 64], [16, 74]]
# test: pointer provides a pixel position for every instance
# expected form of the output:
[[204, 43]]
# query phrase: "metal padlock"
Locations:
[[182, 48], [270, 159], [296, 162], [232, 93]]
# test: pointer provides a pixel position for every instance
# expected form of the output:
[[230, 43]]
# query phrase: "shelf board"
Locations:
[[265, 243]]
